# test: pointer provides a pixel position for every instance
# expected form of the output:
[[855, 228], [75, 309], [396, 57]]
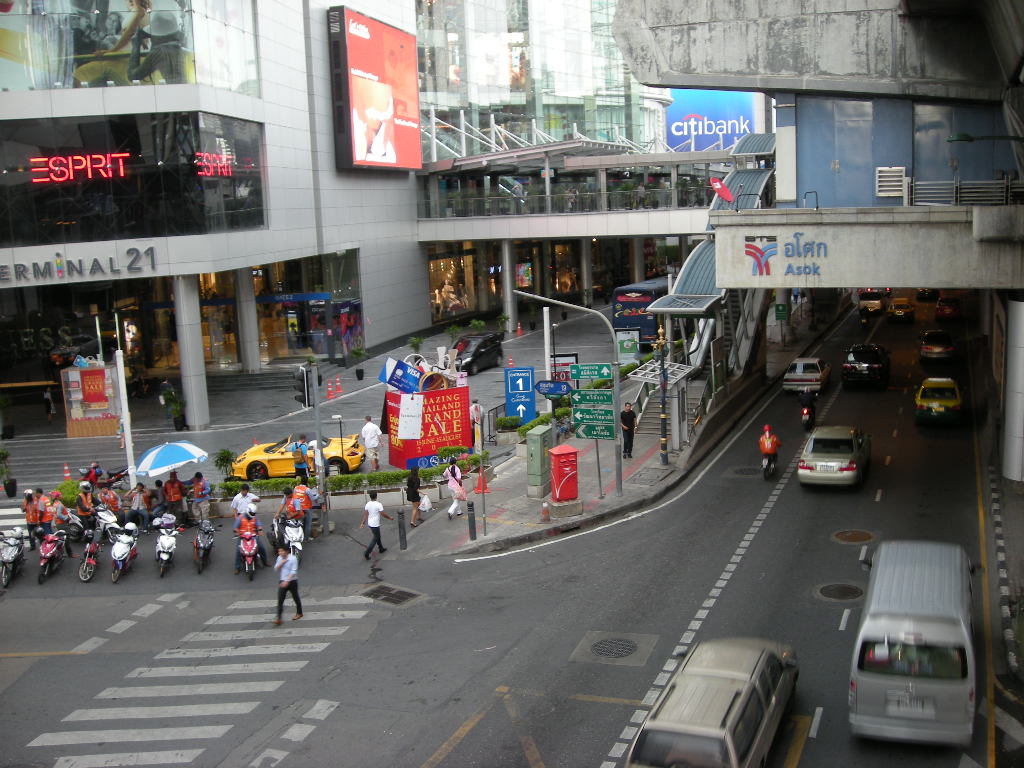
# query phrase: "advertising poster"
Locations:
[[699, 120], [445, 422], [628, 342], [379, 91], [410, 417], [94, 392]]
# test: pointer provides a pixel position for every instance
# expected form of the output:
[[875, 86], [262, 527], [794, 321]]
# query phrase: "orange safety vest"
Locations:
[[84, 510], [172, 490], [247, 525], [47, 511], [111, 499], [769, 443], [31, 511], [301, 493]]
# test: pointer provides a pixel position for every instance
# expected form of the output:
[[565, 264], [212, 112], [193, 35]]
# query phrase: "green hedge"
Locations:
[[272, 485], [68, 492], [508, 423]]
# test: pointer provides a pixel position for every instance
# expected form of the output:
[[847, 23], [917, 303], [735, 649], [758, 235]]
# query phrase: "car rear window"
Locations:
[[832, 445], [863, 356], [938, 662], [665, 749], [870, 296], [943, 393], [804, 368], [937, 337]]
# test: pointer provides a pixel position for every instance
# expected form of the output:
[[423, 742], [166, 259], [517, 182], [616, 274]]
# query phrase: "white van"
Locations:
[[912, 677]]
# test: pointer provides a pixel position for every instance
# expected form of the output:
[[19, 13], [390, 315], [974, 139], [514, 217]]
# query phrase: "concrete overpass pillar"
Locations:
[[508, 284], [587, 271], [1013, 414], [636, 259]]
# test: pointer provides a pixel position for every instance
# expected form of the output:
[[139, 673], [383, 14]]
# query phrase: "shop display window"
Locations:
[[452, 286]]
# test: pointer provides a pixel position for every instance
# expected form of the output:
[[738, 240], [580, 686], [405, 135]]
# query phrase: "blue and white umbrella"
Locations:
[[167, 457]]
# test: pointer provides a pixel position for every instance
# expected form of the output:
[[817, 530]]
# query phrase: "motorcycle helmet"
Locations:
[[29, 493], [250, 513], [85, 486], [17, 533], [767, 427], [54, 494], [132, 528]]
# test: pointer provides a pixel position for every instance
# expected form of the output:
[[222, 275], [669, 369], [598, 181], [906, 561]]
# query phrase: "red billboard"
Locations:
[[445, 423], [376, 93]]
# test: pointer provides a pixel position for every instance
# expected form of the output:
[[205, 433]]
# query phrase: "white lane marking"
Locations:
[[813, 733], [251, 668], [261, 634], [628, 733], [899, 411], [117, 759], [145, 713], [170, 597], [199, 689], [321, 709], [863, 553], [344, 600], [298, 732], [618, 750], [967, 762], [888, 459], [89, 645], [121, 626], [244, 650], [638, 716], [147, 610], [895, 433], [274, 755], [117, 735], [183, 605], [846, 618], [878, 495], [1009, 725], [263, 618]]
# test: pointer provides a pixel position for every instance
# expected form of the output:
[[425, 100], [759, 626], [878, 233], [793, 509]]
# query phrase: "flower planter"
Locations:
[[507, 438]]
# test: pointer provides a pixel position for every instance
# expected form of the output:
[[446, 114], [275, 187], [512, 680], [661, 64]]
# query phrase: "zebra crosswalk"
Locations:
[[144, 710], [11, 517]]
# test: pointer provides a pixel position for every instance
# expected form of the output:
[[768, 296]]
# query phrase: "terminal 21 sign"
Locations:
[[801, 257], [134, 261]]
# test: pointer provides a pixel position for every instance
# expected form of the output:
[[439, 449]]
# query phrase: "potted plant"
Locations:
[[502, 321], [359, 354], [176, 405], [6, 430], [477, 325], [507, 430], [223, 460], [415, 342], [10, 484], [454, 331]]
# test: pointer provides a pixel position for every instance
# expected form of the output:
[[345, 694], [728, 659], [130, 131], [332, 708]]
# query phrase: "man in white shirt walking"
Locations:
[[370, 435], [371, 519], [288, 565], [242, 500]]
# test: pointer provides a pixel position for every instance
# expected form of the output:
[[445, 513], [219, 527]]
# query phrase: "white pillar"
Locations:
[[508, 284], [587, 271], [1013, 417], [636, 259], [247, 324], [188, 321]]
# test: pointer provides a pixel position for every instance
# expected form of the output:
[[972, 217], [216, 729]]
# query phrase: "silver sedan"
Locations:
[[835, 456]]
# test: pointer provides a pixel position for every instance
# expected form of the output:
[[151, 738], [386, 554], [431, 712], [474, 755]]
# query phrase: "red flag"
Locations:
[[721, 190]]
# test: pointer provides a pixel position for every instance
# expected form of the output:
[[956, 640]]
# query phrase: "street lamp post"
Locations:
[[662, 345]]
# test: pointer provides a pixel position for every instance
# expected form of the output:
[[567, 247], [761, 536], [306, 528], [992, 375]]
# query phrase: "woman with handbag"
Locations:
[[412, 495], [454, 477]]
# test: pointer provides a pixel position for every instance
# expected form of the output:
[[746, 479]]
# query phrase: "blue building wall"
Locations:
[[840, 142]]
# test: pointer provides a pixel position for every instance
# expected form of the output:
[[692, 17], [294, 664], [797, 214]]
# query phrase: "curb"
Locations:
[[1003, 580]]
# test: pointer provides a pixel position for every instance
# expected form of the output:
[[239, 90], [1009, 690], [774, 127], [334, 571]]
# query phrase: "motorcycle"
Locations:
[[768, 465], [52, 551], [90, 554], [117, 479], [123, 553], [203, 544], [291, 536], [12, 556], [250, 551], [807, 417], [76, 528], [105, 521], [166, 542]]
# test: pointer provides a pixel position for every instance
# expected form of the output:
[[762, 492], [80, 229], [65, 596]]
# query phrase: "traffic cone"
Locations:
[[481, 481], [67, 472], [330, 391], [545, 513], [254, 441], [337, 385], [519, 329]]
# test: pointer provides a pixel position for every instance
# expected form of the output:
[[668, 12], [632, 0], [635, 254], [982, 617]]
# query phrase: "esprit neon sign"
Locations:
[[57, 169], [211, 164]]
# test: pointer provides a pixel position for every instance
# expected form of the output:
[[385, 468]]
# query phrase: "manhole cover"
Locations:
[[852, 536], [747, 471], [390, 595], [840, 591], [614, 648], [649, 476]]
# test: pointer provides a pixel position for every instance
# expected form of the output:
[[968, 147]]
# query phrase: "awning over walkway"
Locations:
[[754, 144], [695, 293], [528, 157], [746, 187]]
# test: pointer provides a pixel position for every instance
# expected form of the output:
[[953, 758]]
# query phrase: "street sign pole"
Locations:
[[616, 389], [321, 481], [597, 455]]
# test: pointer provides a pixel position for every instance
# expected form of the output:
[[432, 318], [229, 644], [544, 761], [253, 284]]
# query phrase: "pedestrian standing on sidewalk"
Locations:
[[412, 495], [628, 421], [370, 434], [476, 419], [454, 477], [48, 404], [288, 565], [200, 497], [372, 513]]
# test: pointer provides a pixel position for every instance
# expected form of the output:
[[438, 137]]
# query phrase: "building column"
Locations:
[[508, 284], [1013, 419], [636, 259], [247, 324], [587, 271], [188, 322], [545, 268], [602, 189]]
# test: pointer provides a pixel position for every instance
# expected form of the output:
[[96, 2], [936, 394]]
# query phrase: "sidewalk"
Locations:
[[512, 519]]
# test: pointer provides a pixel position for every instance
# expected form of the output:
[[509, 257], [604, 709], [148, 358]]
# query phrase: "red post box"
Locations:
[[564, 472]]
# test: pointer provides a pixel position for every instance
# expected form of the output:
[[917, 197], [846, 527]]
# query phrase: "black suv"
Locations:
[[476, 351], [866, 364]]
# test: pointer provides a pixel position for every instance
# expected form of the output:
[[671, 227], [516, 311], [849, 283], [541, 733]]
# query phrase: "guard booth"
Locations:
[[673, 377]]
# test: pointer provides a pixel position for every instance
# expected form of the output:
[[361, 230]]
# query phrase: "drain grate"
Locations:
[[650, 476], [614, 648], [390, 595], [852, 536], [840, 592]]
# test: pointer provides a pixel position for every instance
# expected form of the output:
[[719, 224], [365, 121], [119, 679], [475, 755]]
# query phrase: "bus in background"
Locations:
[[629, 307]]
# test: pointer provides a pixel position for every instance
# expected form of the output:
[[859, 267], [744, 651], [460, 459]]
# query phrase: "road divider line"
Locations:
[[147, 713], [89, 645], [298, 731], [117, 759], [456, 738], [246, 668], [888, 460], [801, 724], [170, 597], [147, 610], [117, 735], [198, 689], [878, 495], [121, 626], [813, 733], [30, 654], [846, 618], [321, 710]]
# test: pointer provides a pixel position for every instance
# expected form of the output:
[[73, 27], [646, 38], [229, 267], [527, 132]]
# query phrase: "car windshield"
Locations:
[[277, 446], [885, 657], [467, 345], [901, 305], [831, 445], [665, 749], [870, 296], [937, 337], [862, 356], [939, 393]]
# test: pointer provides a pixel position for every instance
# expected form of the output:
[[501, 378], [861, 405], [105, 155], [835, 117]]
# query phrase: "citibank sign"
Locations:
[[133, 261]]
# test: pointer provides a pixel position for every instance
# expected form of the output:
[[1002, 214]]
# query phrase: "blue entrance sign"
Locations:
[[519, 397], [553, 388]]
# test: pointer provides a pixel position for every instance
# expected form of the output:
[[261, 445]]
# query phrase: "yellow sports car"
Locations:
[[275, 459]]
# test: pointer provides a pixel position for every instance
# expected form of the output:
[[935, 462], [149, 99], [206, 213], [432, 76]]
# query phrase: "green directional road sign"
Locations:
[[593, 416], [591, 397], [591, 371], [596, 431]]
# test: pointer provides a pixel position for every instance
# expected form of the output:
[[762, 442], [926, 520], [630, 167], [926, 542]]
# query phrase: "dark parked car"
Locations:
[[866, 364], [81, 344], [936, 345], [476, 351], [948, 308]]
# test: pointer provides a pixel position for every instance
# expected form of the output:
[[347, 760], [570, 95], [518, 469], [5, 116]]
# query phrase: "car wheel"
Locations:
[[473, 369], [337, 467], [257, 471]]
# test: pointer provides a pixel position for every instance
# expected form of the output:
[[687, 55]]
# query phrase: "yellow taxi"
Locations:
[[938, 401], [900, 309], [275, 459]]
